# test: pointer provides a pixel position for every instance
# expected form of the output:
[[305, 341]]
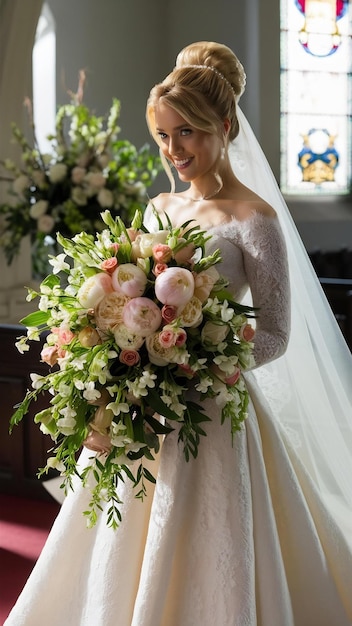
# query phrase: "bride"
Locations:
[[254, 532]]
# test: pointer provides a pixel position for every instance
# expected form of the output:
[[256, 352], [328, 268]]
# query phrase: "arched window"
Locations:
[[316, 108], [44, 78]]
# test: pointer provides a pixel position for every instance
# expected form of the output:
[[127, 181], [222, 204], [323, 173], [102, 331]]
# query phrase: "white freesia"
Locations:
[[59, 264]]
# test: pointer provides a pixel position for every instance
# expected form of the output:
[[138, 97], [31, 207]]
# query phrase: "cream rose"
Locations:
[[192, 314], [94, 289], [126, 339], [143, 245], [214, 333], [109, 310]]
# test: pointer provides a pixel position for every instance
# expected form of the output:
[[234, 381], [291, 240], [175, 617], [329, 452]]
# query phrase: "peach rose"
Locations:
[[49, 355], [247, 332], [159, 268], [109, 265], [162, 253]]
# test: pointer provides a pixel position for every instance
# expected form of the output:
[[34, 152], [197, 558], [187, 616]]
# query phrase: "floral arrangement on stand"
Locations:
[[89, 169], [132, 317]]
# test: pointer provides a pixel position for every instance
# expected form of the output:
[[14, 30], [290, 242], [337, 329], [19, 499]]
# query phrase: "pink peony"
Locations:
[[94, 289], [174, 286], [142, 316], [129, 279]]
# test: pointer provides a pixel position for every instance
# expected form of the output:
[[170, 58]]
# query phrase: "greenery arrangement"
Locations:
[[89, 169]]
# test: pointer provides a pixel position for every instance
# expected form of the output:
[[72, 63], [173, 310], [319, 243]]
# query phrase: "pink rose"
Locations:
[[49, 355], [247, 332], [174, 286], [129, 357], [109, 265], [94, 289], [169, 313], [64, 336], [159, 268], [142, 316], [97, 442], [162, 253], [129, 279], [167, 337], [204, 283], [181, 337], [233, 378]]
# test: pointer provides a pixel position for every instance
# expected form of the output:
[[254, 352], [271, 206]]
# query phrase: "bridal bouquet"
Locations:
[[132, 319], [88, 169]]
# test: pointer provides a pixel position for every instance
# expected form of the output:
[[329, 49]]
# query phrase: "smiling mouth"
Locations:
[[181, 163]]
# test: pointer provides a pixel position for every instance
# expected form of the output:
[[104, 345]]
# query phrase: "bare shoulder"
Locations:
[[246, 208]]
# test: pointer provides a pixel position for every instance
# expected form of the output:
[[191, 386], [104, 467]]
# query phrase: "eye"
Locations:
[[162, 135], [186, 131]]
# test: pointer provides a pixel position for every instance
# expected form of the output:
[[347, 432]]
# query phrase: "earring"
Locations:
[[222, 153]]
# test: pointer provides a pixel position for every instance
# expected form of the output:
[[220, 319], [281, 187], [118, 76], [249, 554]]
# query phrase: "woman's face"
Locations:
[[193, 152]]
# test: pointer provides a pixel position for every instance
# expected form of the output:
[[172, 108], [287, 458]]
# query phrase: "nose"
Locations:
[[175, 146]]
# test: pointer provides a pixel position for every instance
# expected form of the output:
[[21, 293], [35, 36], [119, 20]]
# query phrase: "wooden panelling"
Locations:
[[25, 450]]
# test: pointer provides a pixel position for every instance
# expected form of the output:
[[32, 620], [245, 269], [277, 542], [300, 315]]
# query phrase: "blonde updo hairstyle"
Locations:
[[203, 97]]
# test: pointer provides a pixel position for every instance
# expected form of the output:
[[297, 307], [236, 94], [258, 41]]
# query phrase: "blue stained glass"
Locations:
[[315, 102]]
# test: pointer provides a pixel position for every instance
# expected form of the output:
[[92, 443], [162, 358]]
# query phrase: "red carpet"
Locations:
[[24, 526]]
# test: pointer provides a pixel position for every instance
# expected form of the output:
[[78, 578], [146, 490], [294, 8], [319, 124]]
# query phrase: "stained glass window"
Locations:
[[316, 108]]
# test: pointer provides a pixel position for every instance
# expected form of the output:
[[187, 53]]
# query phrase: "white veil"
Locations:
[[309, 389]]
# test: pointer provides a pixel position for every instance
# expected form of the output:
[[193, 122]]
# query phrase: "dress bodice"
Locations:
[[254, 259]]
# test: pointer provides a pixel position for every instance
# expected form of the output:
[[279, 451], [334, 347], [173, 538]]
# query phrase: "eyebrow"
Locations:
[[175, 128]]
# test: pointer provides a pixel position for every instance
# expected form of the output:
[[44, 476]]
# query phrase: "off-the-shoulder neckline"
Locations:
[[255, 216]]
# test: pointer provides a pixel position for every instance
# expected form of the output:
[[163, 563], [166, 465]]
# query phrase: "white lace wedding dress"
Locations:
[[237, 537]]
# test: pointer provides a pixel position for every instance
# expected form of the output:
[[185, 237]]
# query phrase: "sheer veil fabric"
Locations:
[[309, 388]]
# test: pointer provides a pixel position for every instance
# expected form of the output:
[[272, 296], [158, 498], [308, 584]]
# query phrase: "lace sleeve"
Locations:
[[265, 263]]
